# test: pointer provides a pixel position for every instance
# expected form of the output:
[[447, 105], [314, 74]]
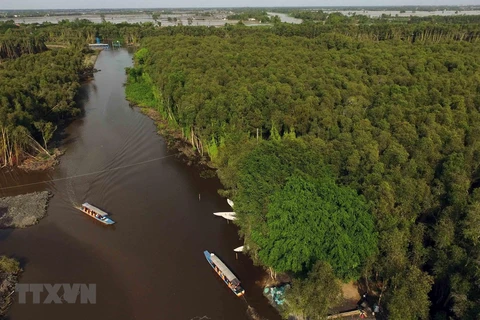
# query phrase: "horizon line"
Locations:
[[259, 7]]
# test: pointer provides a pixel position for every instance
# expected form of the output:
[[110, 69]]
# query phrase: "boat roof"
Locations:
[[97, 210], [223, 268]]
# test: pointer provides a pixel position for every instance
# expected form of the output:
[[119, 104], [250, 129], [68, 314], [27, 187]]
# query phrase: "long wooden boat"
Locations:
[[96, 213], [223, 272]]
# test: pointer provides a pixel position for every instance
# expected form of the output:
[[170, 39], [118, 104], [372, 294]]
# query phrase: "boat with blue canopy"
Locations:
[[223, 272], [96, 213]]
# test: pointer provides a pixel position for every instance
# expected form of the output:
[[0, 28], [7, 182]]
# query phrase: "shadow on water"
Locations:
[[4, 234], [23, 261], [61, 138]]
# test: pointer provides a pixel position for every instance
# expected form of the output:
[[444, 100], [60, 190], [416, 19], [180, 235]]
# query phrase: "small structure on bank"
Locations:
[[99, 46], [276, 295]]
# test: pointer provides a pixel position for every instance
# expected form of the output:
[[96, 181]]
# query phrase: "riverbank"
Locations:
[[23, 210], [41, 162], [9, 272], [174, 137], [34, 155], [139, 93], [17, 212], [89, 65]]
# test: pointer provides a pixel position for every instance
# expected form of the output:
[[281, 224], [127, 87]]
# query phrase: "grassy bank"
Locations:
[[141, 92]]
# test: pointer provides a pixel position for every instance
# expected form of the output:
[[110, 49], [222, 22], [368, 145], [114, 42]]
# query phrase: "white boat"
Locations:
[[239, 249], [226, 215], [230, 202]]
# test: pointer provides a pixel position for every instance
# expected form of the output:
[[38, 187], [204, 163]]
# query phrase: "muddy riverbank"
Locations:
[[23, 210]]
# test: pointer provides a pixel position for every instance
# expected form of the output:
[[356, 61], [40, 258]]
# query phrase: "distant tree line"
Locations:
[[257, 14]]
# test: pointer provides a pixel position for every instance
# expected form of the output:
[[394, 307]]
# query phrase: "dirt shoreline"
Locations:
[[17, 212], [23, 210]]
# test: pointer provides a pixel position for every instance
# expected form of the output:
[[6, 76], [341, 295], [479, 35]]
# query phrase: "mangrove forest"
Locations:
[[350, 145], [351, 151]]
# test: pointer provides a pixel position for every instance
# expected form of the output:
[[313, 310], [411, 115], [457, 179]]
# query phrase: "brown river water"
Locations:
[[150, 264]]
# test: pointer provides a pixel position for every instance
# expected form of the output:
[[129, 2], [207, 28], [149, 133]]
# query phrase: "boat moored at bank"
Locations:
[[226, 215], [223, 272], [96, 213]]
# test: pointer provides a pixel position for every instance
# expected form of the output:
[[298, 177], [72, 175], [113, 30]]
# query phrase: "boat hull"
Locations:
[[226, 215]]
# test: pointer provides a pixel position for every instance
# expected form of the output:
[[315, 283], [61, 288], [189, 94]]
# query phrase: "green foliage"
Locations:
[[389, 110], [315, 219], [410, 295], [37, 91], [309, 15], [139, 89], [46, 129], [14, 45], [212, 149], [313, 297], [9, 265], [141, 55]]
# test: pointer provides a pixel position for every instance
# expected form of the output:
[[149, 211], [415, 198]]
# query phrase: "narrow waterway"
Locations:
[[150, 264]]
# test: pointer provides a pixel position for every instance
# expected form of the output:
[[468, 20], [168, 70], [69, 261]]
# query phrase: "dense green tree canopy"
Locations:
[[390, 110], [312, 298], [315, 219], [37, 91]]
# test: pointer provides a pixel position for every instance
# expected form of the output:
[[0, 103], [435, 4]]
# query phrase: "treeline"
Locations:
[[13, 46], [337, 17], [37, 92], [87, 31], [338, 33], [460, 19], [309, 15], [257, 14], [80, 32], [347, 157]]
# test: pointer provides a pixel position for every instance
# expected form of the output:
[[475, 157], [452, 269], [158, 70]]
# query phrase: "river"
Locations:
[[285, 17], [150, 264]]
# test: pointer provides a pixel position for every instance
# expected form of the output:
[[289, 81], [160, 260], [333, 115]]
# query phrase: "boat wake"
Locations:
[[253, 314]]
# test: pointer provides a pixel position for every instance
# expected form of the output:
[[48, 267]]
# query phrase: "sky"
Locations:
[[94, 4]]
